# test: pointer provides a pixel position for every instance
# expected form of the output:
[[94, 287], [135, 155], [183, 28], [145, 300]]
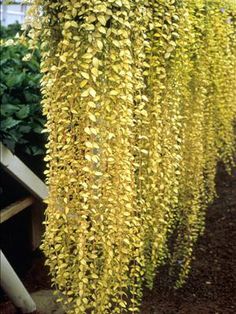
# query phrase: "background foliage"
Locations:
[[10, 31], [21, 116], [140, 104]]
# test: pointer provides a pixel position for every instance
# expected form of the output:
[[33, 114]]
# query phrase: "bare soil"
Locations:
[[211, 287]]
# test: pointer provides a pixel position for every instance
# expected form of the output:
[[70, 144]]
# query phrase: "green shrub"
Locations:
[[9, 31], [21, 116]]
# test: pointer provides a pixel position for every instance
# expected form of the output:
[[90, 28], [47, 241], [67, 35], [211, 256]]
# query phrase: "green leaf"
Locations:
[[5, 99], [9, 144], [23, 112], [34, 150], [3, 87], [31, 97], [9, 123], [24, 128], [14, 80], [37, 128], [8, 109]]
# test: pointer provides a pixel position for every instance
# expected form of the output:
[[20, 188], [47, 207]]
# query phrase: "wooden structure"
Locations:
[[12, 13], [37, 193]]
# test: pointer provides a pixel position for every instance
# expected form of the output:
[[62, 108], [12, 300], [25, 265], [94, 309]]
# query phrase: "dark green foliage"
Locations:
[[10, 31], [21, 116]]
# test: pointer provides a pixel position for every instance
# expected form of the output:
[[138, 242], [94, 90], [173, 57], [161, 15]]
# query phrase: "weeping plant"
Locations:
[[140, 102]]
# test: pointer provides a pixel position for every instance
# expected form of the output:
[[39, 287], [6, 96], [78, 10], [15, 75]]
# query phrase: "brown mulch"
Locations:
[[211, 287]]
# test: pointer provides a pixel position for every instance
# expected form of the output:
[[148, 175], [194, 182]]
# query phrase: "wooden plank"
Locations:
[[15, 208], [22, 173]]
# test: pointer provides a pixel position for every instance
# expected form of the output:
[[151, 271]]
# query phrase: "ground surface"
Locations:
[[211, 287]]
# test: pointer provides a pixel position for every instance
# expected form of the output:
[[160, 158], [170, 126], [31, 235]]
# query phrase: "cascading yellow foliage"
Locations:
[[140, 104]]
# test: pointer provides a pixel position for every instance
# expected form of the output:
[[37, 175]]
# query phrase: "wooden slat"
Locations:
[[15, 208], [13, 165]]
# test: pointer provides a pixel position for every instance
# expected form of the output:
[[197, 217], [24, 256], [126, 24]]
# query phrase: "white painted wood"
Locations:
[[22, 173], [14, 288], [10, 13]]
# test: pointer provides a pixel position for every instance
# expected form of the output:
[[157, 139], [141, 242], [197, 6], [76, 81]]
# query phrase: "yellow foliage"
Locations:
[[140, 102]]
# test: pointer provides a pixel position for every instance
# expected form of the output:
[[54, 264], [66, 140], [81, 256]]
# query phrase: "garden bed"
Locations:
[[211, 287]]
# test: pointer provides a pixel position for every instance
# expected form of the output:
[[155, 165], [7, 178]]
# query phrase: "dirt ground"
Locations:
[[211, 287]]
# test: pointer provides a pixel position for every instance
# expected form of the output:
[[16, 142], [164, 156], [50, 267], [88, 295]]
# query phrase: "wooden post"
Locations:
[[37, 218]]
